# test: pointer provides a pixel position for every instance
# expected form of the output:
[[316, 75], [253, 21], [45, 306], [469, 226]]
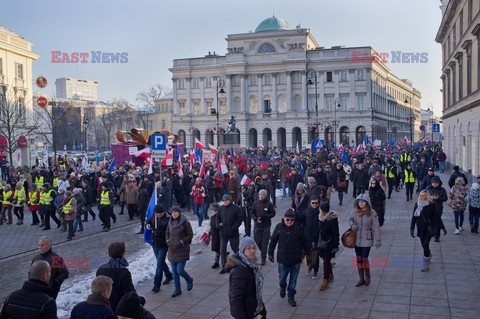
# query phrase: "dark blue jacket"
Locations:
[[95, 307]]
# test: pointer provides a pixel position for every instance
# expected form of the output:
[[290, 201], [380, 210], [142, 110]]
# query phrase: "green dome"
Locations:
[[273, 23]]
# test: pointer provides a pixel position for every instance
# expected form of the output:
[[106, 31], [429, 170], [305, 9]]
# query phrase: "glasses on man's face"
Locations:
[[289, 219], [314, 203]]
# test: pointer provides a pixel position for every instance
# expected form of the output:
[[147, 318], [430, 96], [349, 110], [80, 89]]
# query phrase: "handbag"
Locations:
[[348, 238], [205, 238], [323, 244], [342, 184]]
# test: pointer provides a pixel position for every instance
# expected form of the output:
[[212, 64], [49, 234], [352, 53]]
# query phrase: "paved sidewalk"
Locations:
[[451, 289]]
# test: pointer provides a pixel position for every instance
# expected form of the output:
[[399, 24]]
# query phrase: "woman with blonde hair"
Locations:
[[364, 221], [425, 217]]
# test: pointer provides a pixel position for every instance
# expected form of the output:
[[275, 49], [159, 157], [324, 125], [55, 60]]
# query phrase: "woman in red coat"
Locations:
[[198, 194]]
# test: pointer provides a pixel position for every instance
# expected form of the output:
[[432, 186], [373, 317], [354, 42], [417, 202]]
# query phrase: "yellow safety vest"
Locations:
[[19, 195], [39, 181], [388, 173], [55, 182], [67, 207], [405, 158], [32, 197], [409, 179], [105, 198], [47, 197], [6, 195], [42, 198]]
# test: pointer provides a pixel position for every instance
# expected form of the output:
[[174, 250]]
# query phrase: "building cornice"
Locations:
[[447, 19]]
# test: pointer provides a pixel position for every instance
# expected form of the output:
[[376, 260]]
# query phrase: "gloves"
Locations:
[[354, 227], [444, 232], [378, 243], [271, 259], [411, 234]]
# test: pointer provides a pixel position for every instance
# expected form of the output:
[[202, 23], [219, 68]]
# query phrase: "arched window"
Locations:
[[266, 48], [344, 135], [361, 133]]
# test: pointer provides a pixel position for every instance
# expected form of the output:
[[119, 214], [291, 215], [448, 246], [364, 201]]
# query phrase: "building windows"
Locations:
[[329, 102], [329, 76], [296, 77], [267, 79], [253, 104], [267, 106], [470, 11], [196, 107], [252, 79], [454, 36], [281, 78], [267, 48], [181, 84], [360, 75], [163, 125], [208, 82], [208, 104], [1, 66], [461, 24], [343, 76], [19, 71], [21, 110], [360, 101], [181, 108], [196, 83], [344, 98]]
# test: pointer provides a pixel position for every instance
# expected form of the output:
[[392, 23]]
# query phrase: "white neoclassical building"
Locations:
[[283, 88], [459, 35]]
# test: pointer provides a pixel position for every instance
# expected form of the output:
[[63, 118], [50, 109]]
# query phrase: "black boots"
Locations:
[[361, 274]]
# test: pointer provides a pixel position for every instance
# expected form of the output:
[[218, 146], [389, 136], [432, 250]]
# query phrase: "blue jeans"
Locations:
[[458, 214], [198, 210], [442, 166], [162, 267], [78, 222], [283, 272], [178, 269], [285, 188]]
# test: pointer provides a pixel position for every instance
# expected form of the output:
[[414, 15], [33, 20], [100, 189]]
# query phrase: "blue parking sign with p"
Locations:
[[159, 142]]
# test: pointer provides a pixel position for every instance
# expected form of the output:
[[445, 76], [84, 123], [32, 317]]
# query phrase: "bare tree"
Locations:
[[50, 119], [143, 117], [149, 96], [14, 122]]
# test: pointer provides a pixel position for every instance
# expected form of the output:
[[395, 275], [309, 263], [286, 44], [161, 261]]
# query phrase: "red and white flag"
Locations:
[[168, 160], [202, 171], [150, 168], [180, 169], [245, 180], [199, 145], [223, 167]]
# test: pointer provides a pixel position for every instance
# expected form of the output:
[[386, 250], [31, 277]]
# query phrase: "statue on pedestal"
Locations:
[[231, 125]]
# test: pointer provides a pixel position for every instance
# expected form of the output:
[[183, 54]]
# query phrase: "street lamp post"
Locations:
[[312, 79], [336, 104], [411, 118], [85, 125], [220, 86]]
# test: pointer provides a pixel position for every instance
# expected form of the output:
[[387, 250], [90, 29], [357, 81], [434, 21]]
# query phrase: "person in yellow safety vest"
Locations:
[[33, 201], [106, 206], [39, 179], [55, 181], [409, 181], [404, 159], [7, 204], [69, 211], [48, 207], [19, 201], [391, 175]]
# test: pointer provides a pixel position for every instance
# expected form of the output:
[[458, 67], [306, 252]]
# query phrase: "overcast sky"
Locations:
[[155, 32]]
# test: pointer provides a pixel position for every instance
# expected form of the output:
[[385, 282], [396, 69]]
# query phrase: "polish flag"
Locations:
[[202, 171], [179, 168], [406, 141], [199, 145], [223, 167], [168, 160], [150, 168], [245, 180]]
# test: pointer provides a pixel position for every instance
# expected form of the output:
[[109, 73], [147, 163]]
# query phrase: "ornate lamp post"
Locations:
[[410, 118], [220, 90], [335, 122]]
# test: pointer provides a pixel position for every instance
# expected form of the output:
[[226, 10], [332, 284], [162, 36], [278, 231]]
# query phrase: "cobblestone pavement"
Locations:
[[399, 289]]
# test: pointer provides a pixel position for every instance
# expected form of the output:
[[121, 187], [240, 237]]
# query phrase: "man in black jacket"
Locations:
[[291, 240], [117, 269], [58, 270], [360, 179], [229, 219], [89, 199], [158, 224], [421, 170], [439, 196], [321, 177], [33, 300], [427, 180], [456, 173], [262, 212]]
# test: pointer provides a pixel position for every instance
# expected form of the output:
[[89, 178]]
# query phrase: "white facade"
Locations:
[[459, 35], [16, 57], [77, 89], [267, 75]]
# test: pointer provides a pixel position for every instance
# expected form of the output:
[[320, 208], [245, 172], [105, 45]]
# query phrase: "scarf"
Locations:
[[420, 205], [298, 199], [255, 265], [174, 223]]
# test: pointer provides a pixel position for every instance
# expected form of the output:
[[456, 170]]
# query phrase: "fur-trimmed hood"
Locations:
[[330, 216]]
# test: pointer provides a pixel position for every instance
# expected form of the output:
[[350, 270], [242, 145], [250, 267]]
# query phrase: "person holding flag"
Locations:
[[158, 224]]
